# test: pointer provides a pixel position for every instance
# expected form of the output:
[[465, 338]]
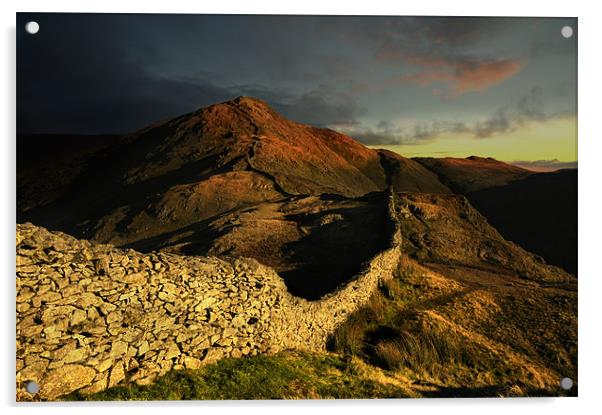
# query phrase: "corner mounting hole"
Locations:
[[32, 387], [566, 32], [566, 383], [32, 27]]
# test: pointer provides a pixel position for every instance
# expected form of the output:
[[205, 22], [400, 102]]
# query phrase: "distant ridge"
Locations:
[[472, 173]]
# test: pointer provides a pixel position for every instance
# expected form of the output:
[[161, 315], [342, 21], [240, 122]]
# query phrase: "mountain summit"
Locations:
[[193, 167]]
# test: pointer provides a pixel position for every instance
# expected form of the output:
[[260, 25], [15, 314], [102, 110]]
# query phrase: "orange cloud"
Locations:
[[462, 74]]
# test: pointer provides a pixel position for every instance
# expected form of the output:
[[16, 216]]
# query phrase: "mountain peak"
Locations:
[[247, 104], [247, 100], [230, 112]]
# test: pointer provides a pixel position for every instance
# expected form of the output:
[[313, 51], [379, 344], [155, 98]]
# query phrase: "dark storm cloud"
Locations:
[[458, 53], [75, 77], [385, 133], [443, 30], [392, 38], [546, 45], [397, 39], [81, 75], [436, 51]]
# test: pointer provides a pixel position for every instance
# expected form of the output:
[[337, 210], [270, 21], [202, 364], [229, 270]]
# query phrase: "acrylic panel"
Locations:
[[295, 207]]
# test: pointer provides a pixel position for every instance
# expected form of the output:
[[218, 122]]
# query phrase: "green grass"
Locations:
[[288, 375]]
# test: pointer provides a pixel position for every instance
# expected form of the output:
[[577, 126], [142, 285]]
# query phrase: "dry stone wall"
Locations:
[[91, 316]]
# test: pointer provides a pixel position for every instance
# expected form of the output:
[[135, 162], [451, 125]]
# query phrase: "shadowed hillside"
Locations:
[[538, 212], [406, 175], [48, 165]]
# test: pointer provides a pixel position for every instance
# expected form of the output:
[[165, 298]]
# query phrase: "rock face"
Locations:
[[90, 316]]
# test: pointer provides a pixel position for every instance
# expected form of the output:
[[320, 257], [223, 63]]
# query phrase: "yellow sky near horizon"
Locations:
[[555, 139]]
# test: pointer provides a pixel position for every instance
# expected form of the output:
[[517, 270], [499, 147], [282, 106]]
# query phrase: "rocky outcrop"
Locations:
[[91, 316]]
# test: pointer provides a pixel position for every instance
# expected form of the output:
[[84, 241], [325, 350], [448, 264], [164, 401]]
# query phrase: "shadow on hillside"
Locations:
[[539, 213], [332, 253], [336, 241]]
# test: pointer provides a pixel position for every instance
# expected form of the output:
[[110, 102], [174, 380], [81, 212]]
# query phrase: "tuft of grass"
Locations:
[[288, 375], [425, 351]]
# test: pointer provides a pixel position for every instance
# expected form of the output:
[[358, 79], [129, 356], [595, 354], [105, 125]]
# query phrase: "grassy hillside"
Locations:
[[452, 335]]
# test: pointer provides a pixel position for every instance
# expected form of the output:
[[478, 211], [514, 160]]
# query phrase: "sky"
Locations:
[[421, 86]]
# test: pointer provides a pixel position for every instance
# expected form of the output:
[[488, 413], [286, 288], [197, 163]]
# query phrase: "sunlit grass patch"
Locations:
[[288, 375]]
